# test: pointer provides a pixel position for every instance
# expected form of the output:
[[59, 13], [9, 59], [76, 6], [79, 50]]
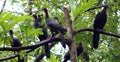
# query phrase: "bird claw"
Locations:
[[101, 29]]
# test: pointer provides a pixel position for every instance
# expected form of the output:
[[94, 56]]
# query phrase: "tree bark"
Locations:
[[72, 47]]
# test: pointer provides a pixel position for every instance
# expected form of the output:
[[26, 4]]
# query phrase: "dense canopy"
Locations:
[[17, 15]]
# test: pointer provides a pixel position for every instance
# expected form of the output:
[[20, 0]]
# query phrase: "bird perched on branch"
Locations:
[[99, 23], [15, 41], [79, 51], [37, 24], [54, 26]]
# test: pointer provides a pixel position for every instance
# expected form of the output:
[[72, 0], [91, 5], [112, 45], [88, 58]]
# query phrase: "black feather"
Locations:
[[37, 24], [99, 23], [79, 51]]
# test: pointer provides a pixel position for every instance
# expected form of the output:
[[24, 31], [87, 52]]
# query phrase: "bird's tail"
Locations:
[[47, 50], [95, 40], [66, 57], [62, 40], [46, 45]]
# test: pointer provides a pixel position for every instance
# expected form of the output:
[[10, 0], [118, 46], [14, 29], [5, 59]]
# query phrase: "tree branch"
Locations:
[[72, 47], [9, 57], [54, 41], [92, 8], [92, 30], [3, 6], [95, 7], [26, 47], [48, 40], [41, 55]]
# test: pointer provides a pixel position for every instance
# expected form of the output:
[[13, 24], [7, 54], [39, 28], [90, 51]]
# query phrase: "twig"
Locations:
[[3, 6], [92, 8], [73, 52], [9, 57], [95, 7], [92, 30]]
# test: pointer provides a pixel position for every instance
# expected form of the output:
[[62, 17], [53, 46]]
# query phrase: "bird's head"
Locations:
[[105, 7], [34, 16], [45, 10], [80, 44], [10, 32], [40, 17]]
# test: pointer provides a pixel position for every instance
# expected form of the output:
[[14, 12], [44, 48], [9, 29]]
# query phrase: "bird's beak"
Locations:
[[44, 13]]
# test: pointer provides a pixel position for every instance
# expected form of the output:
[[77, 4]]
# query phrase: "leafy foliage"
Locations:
[[22, 25]]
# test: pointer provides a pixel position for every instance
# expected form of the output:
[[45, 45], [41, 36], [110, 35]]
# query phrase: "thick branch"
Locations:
[[9, 57], [55, 40], [27, 47], [48, 40], [52, 41], [3, 6], [92, 30], [41, 55], [73, 53]]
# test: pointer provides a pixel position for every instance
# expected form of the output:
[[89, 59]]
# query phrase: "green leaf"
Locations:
[[83, 6], [35, 32], [54, 2]]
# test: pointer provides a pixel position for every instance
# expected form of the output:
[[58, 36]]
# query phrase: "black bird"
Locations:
[[44, 36], [36, 21], [62, 37], [15, 41], [85, 56], [54, 26], [99, 22], [79, 51]]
